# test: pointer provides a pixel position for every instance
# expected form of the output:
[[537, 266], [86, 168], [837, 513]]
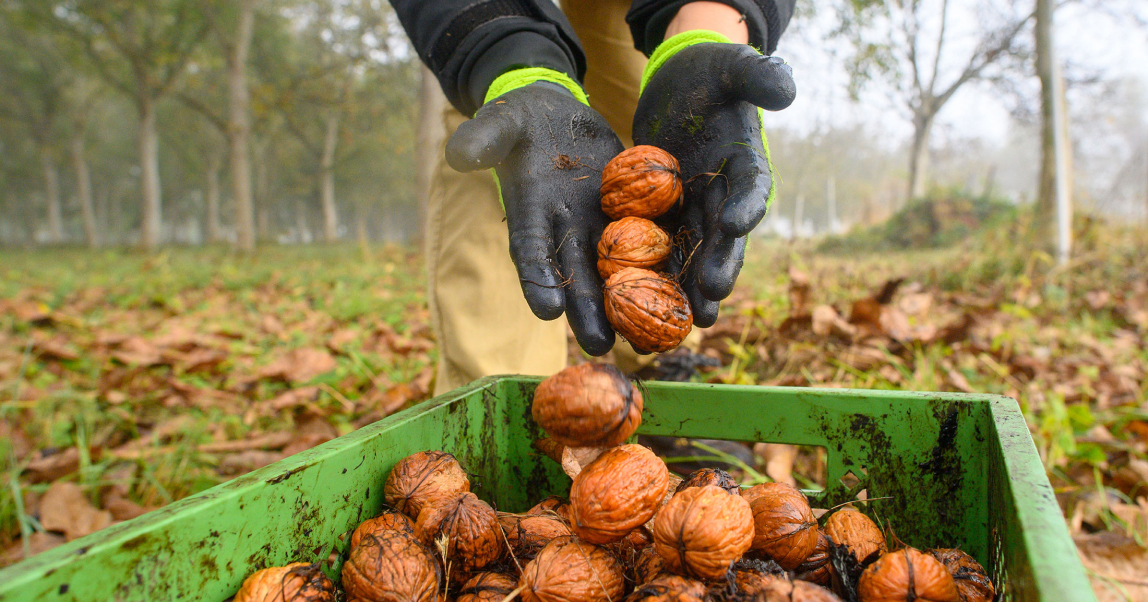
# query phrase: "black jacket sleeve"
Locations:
[[469, 43], [766, 20]]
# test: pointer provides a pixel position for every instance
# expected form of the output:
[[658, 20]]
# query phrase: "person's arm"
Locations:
[[467, 44], [652, 21]]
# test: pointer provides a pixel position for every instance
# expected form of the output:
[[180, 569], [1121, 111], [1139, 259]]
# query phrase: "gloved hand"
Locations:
[[548, 149], [699, 101]]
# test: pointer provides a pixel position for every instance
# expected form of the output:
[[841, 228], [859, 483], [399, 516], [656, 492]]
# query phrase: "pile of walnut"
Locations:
[[629, 531], [646, 307]]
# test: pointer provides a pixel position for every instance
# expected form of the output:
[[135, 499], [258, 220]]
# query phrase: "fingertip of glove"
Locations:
[[596, 345]]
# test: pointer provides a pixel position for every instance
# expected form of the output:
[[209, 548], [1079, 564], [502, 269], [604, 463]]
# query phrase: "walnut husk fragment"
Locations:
[[669, 588], [616, 493], [487, 587], [753, 577], [421, 478], [588, 405], [702, 531], [469, 529], [649, 310], [296, 582], [643, 181], [907, 575], [711, 476], [391, 566], [548, 506], [648, 565], [632, 242], [972, 580], [851, 528], [571, 570], [387, 521], [784, 527]]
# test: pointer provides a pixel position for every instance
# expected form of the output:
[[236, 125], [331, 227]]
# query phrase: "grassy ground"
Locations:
[[144, 379]]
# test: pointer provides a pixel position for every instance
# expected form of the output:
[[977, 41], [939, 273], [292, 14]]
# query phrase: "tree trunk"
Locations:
[[327, 185], [84, 191], [1052, 200], [52, 196], [239, 128], [214, 232], [919, 159], [304, 231], [150, 217], [431, 132]]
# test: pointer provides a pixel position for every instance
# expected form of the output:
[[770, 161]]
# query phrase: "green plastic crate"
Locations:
[[961, 470]]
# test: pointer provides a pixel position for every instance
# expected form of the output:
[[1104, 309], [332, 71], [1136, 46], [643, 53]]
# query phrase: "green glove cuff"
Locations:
[[684, 40], [518, 78]]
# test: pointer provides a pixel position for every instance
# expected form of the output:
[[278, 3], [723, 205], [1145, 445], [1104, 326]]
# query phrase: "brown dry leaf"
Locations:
[[37, 542], [827, 321], [136, 351], [270, 324], [958, 381], [35, 312], [916, 304], [574, 459], [47, 468], [57, 348], [21, 444], [122, 508], [246, 461], [300, 365], [779, 460], [200, 360], [1116, 565], [1098, 299], [341, 338], [304, 443], [65, 509], [800, 292]]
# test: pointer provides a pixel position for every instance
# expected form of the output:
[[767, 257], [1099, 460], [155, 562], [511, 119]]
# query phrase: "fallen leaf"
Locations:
[[293, 398], [300, 365], [124, 509], [778, 461], [1115, 563], [38, 542], [52, 466], [65, 509], [136, 351], [246, 461], [57, 348]]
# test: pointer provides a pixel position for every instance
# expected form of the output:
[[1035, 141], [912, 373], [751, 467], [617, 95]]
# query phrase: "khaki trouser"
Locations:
[[483, 324]]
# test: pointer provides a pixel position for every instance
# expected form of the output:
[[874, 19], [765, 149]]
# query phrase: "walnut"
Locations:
[[296, 582], [547, 507], [588, 405], [972, 581], [487, 587], [784, 527], [421, 478], [387, 521], [571, 570], [528, 534], [907, 575], [632, 242], [817, 568], [391, 566], [648, 310], [669, 588], [702, 531], [711, 476], [753, 577], [643, 181], [648, 565], [783, 590], [850, 528], [469, 527], [617, 493]]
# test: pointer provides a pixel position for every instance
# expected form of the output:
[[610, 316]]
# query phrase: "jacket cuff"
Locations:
[[520, 50], [649, 19]]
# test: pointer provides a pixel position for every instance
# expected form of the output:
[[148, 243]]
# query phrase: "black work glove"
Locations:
[[700, 102], [548, 149]]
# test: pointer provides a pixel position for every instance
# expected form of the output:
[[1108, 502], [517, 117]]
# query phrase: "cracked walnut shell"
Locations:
[[617, 493], [468, 526], [817, 568], [649, 311], [702, 531], [588, 405], [711, 476], [421, 478], [907, 575], [528, 534], [391, 567], [643, 181], [784, 527], [297, 581], [571, 570], [669, 588], [632, 242]]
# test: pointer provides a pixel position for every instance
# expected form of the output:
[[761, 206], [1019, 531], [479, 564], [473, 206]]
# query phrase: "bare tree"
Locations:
[[1054, 203], [909, 44], [140, 49]]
